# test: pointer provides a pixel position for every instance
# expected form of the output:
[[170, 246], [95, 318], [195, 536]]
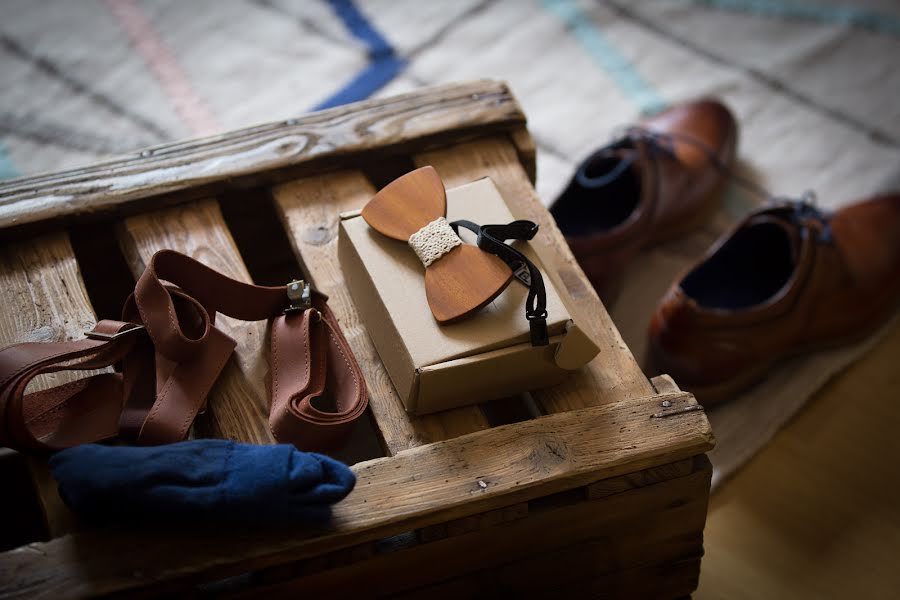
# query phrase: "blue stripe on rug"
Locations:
[[7, 168], [619, 68], [384, 64], [822, 13]]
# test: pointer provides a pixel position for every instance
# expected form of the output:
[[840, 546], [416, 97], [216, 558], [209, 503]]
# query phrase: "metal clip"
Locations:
[[523, 274], [300, 295], [679, 410]]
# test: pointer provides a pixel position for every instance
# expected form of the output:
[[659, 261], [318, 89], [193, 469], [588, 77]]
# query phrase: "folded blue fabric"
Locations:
[[201, 479]]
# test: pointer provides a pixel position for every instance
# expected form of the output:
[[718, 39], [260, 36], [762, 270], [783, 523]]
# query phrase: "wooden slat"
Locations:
[[594, 491], [527, 579], [238, 403], [654, 525], [263, 154], [44, 301], [44, 298], [613, 375], [324, 562], [474, 523], [623, 483], [527, 151], [309, 209], [418, 487], [664, 384]]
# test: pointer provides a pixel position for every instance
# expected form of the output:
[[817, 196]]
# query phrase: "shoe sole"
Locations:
[[715, 394]]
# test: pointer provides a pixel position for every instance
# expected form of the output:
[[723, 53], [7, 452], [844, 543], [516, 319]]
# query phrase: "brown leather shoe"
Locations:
[[660, 180], [786, 280]]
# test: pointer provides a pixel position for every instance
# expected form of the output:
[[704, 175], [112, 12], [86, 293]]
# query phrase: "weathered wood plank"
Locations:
[[44, 298], [614, 374], [44, 301], [264, 154], [418, 487], [594, 491], [623, 483], [238, 402], [527, 151], [309, 209], [664, 384], [474, 523], [331, 560], [654, 525]]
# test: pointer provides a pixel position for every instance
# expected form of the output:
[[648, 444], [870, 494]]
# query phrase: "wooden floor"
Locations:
[[817, 513]]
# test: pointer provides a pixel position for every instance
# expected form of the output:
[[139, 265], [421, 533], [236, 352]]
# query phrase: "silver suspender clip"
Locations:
[[300, 295]]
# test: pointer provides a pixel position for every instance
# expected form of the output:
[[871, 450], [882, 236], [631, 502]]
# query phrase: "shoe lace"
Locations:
[[804, 209], [664, 144], [800, 210]]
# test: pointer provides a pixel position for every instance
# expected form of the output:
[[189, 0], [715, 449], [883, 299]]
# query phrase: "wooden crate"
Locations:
[[591, 488]]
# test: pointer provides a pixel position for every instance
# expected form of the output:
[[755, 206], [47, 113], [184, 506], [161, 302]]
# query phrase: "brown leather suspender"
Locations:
[[171, 354]]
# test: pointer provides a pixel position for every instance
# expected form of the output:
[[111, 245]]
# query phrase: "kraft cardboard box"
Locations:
[[489, 355]]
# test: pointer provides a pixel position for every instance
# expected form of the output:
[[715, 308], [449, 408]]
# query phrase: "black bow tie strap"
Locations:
[[491, 238]]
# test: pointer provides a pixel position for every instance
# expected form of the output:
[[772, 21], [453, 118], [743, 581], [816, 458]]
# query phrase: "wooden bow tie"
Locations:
[[459, 278]]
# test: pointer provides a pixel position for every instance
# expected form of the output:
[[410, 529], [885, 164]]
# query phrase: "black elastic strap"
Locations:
[[491, 238]]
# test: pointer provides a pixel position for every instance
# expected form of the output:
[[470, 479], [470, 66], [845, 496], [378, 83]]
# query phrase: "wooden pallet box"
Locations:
[[597, 487]]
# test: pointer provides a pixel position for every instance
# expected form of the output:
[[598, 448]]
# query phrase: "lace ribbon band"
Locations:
[[434, 240]]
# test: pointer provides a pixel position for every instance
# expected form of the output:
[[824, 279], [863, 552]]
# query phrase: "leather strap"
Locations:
[[492, 238], [171, 355]]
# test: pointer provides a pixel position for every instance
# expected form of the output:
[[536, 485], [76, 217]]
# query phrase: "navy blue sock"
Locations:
[[210, 480]]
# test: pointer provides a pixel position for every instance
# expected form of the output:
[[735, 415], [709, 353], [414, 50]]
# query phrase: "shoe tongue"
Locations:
[[791, 231]]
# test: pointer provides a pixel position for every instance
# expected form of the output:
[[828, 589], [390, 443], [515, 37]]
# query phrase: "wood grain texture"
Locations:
[[527, 150], [614, 374], [324, 562], [463, 281], [623, 483], [407, 204], [485, 520], [595, 491], [310, 211], [266, 153], [534, 555], [44, 301], [238, 402], [44, 298], [422, 486], [664, 384]]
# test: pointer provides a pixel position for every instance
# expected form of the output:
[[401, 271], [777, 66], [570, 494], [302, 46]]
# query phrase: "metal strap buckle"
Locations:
[[300, 295], [99, 335], [523, 274]]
